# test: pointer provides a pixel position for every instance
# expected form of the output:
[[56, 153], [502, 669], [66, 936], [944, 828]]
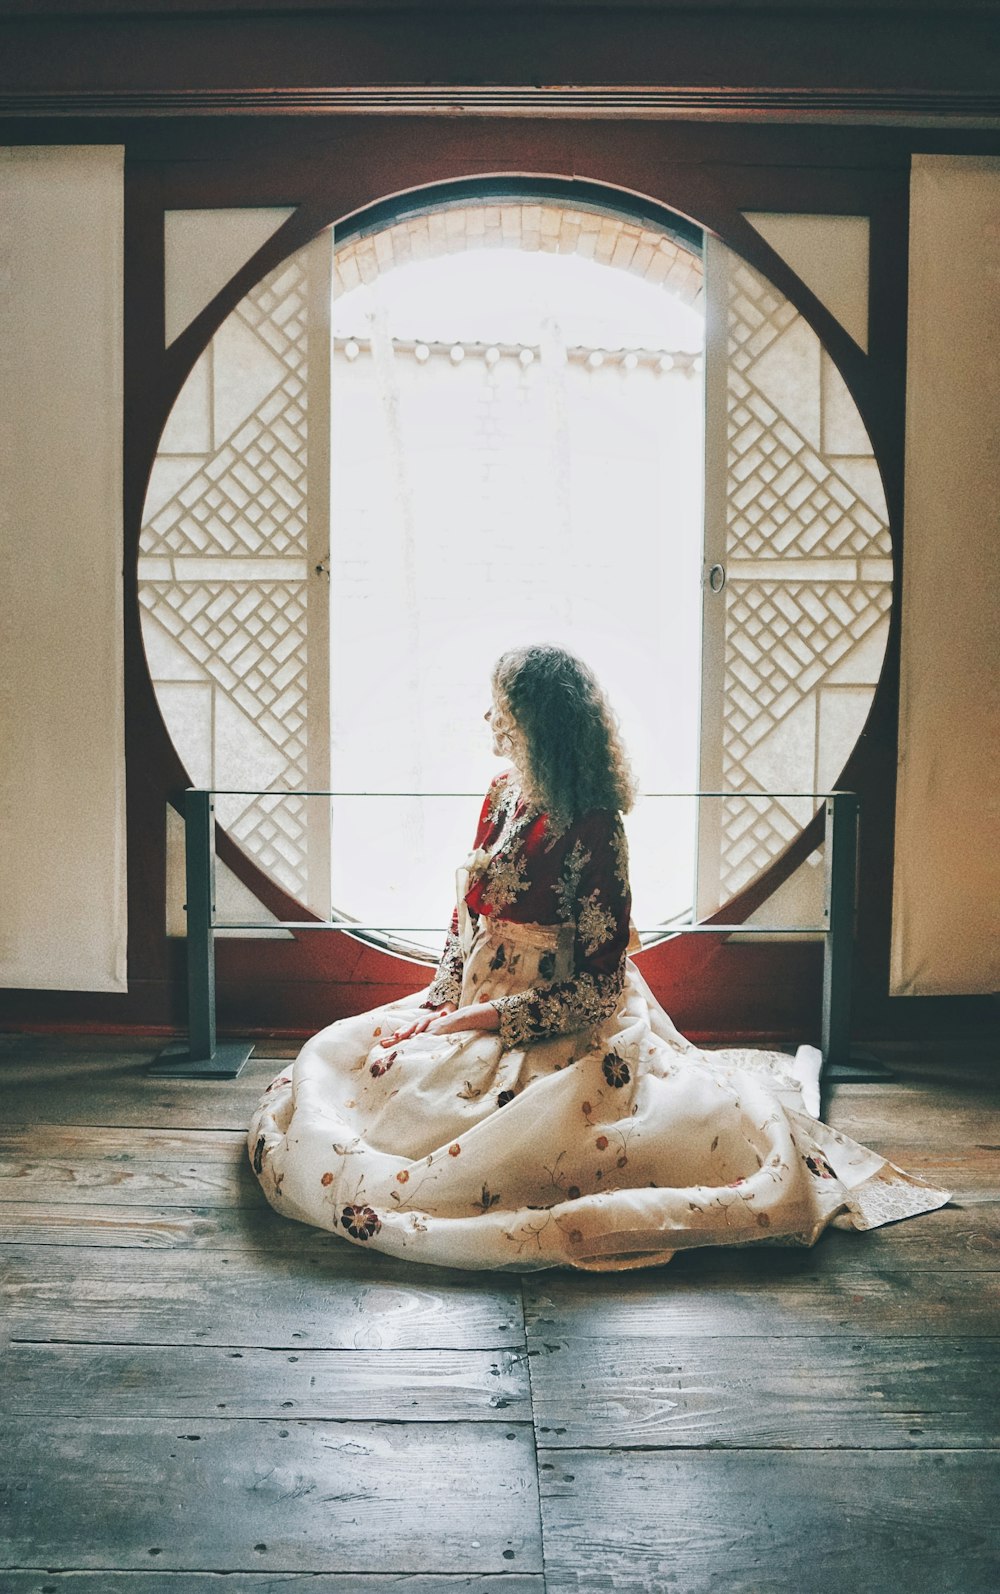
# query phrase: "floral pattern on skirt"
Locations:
[[604, 1149]]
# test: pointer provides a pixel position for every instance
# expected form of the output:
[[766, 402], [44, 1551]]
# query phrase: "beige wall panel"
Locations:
[[203, 249], [830, 254], [62, 770], [946, 922]]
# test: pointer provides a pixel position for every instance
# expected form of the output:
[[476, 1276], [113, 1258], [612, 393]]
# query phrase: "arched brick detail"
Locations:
[[550, 229]]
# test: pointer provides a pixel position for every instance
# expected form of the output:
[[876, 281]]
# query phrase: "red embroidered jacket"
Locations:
[[540, 874]]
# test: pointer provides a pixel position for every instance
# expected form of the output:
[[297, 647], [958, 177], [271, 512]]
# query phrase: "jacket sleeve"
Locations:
[[447, 983], [594, 890]]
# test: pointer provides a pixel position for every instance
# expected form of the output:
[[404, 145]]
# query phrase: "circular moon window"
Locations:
[[490, 425]]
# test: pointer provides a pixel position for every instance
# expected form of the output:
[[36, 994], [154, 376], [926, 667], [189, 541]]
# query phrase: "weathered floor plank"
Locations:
[[914, 1115], [184, 1381], [767, 1522], [950, 1166], [786, 1394], [143, 1582], [157, 1227], [960, 1236], [252, 1496], [151, 1582], [327, 1298], [114, 1089], [334, 1297], [33, 1142], [216, 1183], [764, 1295]]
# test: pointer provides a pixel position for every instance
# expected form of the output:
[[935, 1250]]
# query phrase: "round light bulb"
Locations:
[[526, 356], [492, 355], [666, 362], [457, 354], [630, 362], [595, 360], [421, 352], [351, 349]]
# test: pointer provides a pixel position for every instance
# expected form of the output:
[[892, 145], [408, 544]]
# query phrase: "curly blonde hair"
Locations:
[[564, 739]]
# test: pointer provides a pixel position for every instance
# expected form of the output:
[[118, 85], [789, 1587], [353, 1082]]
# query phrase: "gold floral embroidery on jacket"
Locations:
[[447, 983], [568, 887], [505, 878], [502, 798], [580, 1003], [595, 925], [619, 848]]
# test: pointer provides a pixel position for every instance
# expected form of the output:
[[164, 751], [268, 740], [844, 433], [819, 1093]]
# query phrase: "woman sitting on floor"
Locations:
[[535, 1107]]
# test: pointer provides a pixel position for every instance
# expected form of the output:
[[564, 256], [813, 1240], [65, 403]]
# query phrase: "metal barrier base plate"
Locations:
[[860, 1068], [176, 1062]]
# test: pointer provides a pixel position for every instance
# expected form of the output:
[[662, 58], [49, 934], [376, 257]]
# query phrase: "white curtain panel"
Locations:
[[62, 769], [946, 922]]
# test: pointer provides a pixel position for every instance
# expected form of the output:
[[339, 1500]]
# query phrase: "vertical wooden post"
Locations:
[[199, 864]]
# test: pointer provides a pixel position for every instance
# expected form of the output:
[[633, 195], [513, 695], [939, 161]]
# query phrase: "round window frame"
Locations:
[[601, 197]]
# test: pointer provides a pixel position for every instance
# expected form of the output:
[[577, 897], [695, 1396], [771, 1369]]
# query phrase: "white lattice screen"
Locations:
[[796, 517], [234, 607]]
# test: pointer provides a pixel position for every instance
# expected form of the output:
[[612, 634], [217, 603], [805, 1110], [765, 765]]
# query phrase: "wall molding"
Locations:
[[847, 106]]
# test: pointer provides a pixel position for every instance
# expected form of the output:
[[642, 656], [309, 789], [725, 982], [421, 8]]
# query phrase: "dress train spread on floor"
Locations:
[[587, 1131]]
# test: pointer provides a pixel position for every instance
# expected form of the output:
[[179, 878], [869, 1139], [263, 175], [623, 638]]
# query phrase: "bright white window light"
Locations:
[[485, 503]]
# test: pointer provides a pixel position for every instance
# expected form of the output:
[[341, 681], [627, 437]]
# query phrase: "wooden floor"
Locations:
[[194, 1386]]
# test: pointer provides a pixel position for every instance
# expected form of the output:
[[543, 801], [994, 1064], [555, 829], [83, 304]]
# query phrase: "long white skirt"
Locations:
[[604, 1149]]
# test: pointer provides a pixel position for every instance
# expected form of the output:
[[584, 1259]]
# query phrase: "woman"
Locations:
[[535, 1107]]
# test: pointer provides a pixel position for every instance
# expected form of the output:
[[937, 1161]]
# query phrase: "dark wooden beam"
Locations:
[[508, 59]]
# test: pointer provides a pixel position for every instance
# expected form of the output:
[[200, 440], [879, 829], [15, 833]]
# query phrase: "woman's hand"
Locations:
[[448, 1020], [479, 1015], [420, 1025]]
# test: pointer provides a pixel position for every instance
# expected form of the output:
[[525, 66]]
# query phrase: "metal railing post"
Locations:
[[201, 1055], [841, 846], [199, 867]]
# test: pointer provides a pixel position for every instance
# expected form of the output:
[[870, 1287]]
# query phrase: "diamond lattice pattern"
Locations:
[[797, 629], [245, 498]]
